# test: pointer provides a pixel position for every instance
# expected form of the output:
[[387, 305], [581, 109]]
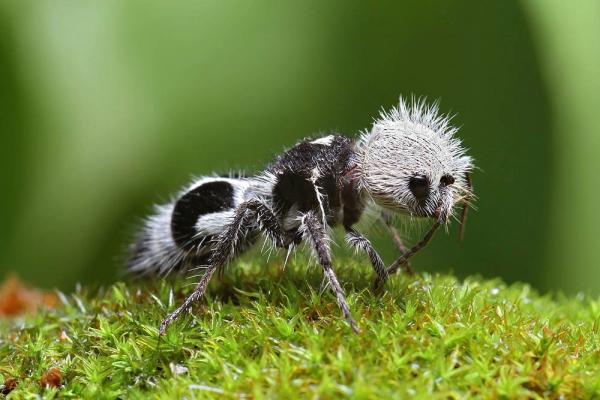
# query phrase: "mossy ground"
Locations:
[[268, 333]]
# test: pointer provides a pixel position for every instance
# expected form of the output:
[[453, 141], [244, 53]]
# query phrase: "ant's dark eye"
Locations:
[[447, 180], [419, 186]]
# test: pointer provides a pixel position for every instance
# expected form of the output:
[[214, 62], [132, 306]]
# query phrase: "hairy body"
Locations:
[[409, 162]]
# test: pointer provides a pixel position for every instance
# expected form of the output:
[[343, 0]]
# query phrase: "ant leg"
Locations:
[[195, 296], [268, 223], [387, 219], [316, 233], [359, 242], [226, 247], [413, 250]]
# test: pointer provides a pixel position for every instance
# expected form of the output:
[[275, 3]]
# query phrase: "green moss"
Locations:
[[267, 333]]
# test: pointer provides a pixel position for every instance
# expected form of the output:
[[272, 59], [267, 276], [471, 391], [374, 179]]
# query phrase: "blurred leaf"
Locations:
[[567, 42]]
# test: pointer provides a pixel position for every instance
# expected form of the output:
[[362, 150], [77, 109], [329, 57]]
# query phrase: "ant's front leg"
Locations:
[[387, 219], [413, 250]]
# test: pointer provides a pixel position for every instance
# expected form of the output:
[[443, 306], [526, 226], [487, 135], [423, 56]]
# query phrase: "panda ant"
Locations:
[[409, 162]]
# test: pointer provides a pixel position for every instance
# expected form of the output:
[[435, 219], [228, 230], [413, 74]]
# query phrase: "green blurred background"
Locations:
[[108, 107]]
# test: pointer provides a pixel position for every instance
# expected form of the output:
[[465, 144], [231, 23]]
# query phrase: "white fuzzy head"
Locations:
[[410, 162]]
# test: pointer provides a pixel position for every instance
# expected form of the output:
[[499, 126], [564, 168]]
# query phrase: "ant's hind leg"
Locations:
[[245, 218], [316, 233]]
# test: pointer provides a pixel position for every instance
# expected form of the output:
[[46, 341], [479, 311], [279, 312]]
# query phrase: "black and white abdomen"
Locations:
[[180, 234]]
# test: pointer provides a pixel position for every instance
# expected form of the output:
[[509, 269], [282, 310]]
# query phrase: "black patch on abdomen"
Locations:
[[207, 198]]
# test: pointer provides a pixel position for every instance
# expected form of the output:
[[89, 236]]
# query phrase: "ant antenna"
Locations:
[[465, 209]]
